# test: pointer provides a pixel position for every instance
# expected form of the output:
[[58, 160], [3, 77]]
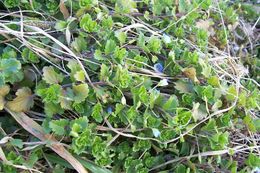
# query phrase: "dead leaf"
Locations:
[[23, 102], [206, 25], [68, 35], [3, 92], [197, 112], [35, 129], [203, 24], [64, 10], [191, 74]]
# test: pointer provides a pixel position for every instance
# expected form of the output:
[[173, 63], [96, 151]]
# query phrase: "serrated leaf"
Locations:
[[88, 24], [154, 44], [23, 102], [50, 76], [35, 129], [29, 56], [97, 112], [120, 54], [74, 66], [80, 92], [253, 160], [104, 72], [143, 95], [110, 46], [10, 66], [58, 126], [80, 76], [121, 36], [51, 94]]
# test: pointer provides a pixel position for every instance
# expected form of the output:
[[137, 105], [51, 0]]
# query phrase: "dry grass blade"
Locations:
[[35, 129], [64, 9]]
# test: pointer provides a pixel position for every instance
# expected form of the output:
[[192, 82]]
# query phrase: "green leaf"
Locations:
[[120, 54], [154, 95], [11, 3], [81, 92], [82, 141], [9, 66], [183, 86], [58, 126], [80, 76], [107, 23], [210, 126], [122, 77], [87, 3], [61, 25], [121, 36], [171, 104], [253, 160], [87, 164], [154, 44], [88, 24], [257, 124], [79, 44], [214, 81], [17, 143], [143, 95], [23, 102], [104, 73], [78, 125], [219, 141], [51, 109], [29, 56], [249, 123], [110, 47], [231, 93], [97, 112], [51, 94], [123, 6], [66, 98], [180, 169], [141, 145], [50, 76], [208, 92], [206, 69]]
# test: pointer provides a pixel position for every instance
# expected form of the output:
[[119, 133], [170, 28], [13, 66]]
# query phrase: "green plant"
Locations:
[[128, 86]]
